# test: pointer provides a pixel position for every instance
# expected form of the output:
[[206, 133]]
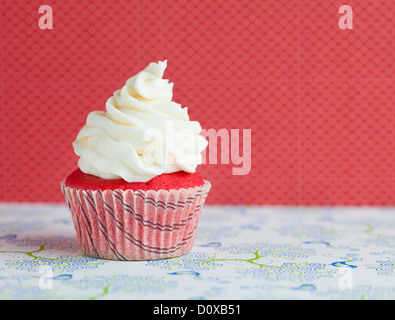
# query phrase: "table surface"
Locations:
[[239, 253]]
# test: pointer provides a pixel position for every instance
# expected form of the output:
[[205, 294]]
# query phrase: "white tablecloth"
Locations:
[[239, 253]]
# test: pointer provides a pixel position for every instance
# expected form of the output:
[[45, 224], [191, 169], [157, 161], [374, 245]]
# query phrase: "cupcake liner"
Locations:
[[135, 225]]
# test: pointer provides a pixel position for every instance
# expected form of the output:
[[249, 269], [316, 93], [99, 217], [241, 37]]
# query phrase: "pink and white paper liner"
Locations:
[[135, 225]]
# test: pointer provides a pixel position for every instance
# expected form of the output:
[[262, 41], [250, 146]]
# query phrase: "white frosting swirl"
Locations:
[[142, 134]]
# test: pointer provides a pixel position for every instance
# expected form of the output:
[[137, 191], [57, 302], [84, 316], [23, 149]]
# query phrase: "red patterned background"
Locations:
[[319, 100]]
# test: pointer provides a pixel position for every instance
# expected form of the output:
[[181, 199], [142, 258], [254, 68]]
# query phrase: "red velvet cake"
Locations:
[[137, 223], [166, 181]]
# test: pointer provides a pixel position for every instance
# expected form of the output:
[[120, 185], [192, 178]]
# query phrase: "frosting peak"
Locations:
[[149, 84], [142, 133]]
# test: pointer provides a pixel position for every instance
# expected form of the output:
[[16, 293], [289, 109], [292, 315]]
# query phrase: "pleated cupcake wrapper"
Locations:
[[135, 225]]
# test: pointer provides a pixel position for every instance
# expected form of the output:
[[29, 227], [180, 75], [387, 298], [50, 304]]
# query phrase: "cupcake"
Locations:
[[135, 194]]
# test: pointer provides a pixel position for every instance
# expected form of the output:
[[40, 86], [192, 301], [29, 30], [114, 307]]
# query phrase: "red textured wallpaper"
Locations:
[[318, 99]]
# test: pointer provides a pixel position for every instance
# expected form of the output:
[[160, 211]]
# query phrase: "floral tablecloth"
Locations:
[[239, 253]]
